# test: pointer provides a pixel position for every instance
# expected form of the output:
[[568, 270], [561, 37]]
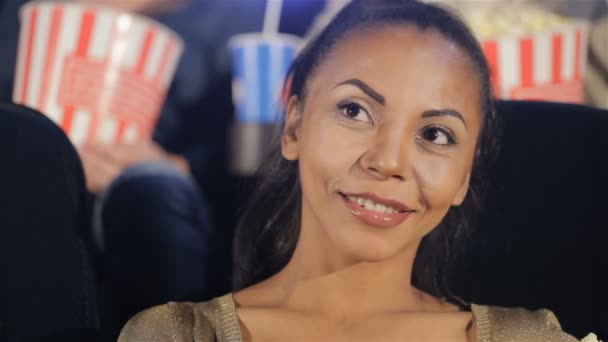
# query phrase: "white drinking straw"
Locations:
[[272, 16]]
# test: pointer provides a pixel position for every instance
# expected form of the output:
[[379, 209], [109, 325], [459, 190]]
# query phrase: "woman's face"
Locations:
[[385, 139]]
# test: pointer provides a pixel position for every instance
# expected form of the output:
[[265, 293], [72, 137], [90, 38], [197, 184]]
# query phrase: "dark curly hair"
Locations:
[[270, 226]]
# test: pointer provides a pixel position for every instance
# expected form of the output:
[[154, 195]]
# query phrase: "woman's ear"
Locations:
[[462, 191], [290, 135]]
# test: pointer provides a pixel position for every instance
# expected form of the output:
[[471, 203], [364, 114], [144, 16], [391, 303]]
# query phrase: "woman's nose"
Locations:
[[388, 156]]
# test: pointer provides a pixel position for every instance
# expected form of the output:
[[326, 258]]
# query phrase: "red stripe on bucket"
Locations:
[[145, 52], [82, 50], [526, 51], [121, 131], [56, 21], [28, 55], [490, 49], [150, 36], [577, 57], [557, 42], [88, 21]]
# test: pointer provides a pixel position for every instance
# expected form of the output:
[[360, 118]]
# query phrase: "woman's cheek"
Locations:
[[439, 178], [333, 144]]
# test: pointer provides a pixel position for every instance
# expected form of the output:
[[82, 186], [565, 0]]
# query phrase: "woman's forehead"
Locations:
[[396, 44], [402, 61]]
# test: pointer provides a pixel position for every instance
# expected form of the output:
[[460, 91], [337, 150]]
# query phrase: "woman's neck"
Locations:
[[346, 290]]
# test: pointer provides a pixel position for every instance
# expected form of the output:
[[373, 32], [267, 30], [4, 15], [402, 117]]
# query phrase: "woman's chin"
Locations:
[[370, 250]]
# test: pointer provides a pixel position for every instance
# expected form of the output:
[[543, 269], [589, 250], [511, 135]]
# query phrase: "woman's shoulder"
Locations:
[[177, 322], [495, 323]]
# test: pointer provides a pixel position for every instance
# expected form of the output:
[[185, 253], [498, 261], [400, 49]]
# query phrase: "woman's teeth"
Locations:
[[371, 205]]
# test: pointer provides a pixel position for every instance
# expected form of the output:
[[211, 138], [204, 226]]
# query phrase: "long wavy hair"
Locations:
[[269, 228]]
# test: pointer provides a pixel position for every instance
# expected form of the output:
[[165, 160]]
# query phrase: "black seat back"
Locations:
[[544, 231], [46, 281]]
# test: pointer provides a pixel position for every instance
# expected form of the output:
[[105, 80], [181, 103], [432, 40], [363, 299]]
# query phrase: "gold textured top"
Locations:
[[217, 321]]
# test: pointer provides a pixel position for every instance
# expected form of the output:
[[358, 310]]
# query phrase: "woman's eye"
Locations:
[[355, 112], [438, 136]]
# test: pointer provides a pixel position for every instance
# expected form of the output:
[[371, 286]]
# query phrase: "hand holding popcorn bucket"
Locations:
[[100, 74]]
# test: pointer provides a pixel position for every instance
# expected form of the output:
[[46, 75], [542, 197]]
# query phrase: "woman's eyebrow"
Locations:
[[365, 88], [443, 112]]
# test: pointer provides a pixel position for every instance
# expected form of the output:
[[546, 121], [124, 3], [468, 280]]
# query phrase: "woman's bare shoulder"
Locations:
[[169, 322]]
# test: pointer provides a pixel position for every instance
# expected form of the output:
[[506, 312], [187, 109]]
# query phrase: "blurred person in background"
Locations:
[[596, 81], [152, 225], [150, 219]]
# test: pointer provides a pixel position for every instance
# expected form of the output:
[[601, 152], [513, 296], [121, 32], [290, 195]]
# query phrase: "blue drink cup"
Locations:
[[259, 64]]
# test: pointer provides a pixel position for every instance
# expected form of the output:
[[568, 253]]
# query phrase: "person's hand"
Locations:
[[148, 7], [103, 163]]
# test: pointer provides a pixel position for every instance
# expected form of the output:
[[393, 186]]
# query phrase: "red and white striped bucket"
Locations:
[[100, 74], [546, 65]]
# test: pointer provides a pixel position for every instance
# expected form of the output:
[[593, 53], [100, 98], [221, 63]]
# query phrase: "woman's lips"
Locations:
[[376, 218]]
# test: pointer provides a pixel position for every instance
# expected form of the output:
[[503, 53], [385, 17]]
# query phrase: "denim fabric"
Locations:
[[155, 230]]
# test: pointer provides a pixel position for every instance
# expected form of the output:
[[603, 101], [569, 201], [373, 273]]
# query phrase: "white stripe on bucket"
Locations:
[[135, 39], [39, 54], [509, 68], [542, 56], [568, 54]]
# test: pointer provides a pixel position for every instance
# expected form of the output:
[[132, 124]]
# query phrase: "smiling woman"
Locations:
[[371, 190]]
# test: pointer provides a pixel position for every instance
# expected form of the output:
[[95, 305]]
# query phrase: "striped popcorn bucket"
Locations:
[[100, 74], [547, 66], [259, 63]]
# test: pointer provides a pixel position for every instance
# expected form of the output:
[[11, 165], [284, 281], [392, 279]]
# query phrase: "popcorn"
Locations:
[[590, 338], [499, 19]]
